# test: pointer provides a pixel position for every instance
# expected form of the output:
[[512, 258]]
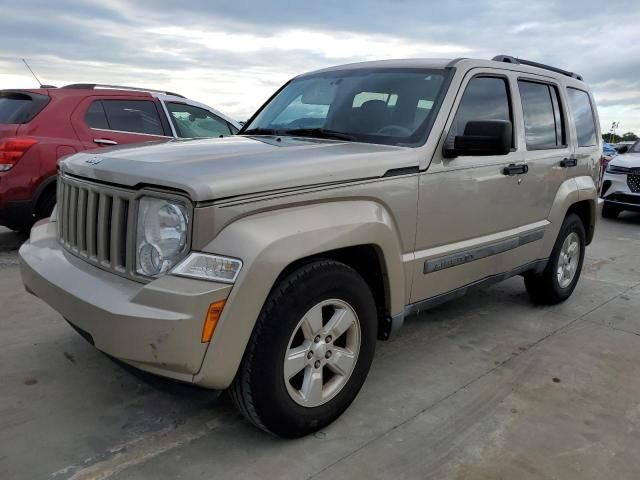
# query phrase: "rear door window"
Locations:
[[194, 122], [485, 98], [542, 117], [583, 117], [132, 116], [18, 107]]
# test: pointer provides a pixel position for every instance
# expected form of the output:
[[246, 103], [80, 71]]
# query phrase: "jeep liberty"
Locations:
[[270, 262]]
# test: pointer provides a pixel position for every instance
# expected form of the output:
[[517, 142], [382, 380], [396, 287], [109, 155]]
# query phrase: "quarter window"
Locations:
[[583, 117], [133, 116], [195, 122], [542, 117], [486, 98], [95, 116]]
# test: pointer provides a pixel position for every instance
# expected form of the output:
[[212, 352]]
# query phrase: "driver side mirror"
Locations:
[[481, 138]]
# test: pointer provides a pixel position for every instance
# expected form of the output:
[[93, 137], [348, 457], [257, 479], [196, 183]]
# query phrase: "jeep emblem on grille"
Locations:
[[93, 160]]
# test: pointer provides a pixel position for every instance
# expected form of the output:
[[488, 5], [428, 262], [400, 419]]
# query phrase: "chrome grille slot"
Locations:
[[95, 223]]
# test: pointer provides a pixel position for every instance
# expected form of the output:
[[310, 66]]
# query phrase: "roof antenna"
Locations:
[[36, 77]]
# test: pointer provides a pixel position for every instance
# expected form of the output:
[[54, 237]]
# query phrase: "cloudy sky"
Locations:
[[234, 54]]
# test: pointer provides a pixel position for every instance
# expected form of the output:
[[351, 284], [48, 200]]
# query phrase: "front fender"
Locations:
[[267, 243]]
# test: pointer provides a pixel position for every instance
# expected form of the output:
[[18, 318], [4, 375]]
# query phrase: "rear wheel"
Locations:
[[45, 205], [560, 277], [310, 351], [610, 211]]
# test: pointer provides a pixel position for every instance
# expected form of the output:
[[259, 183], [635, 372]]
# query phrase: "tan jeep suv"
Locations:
[[270, 262]]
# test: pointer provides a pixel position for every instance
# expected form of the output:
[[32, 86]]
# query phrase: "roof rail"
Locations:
[[521, 61], [93, 86]]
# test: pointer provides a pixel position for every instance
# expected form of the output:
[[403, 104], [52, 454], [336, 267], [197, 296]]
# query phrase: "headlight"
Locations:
[[161, 236], [209, 267]]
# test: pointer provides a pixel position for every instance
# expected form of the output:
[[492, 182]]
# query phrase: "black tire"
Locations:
[[259, 390], [545, 288], [45, 205], [610, 211]]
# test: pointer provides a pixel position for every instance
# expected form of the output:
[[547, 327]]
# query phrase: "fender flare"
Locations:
[[270, 241], [571, 191]]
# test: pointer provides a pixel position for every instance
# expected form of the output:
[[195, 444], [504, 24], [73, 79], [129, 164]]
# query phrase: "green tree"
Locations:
[[608, 137], [629, 136]]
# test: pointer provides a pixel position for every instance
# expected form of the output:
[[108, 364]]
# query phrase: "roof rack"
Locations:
[[93, 86], [521, 61]]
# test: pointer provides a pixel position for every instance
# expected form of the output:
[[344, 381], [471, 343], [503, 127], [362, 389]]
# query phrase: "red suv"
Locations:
[[38, 127]]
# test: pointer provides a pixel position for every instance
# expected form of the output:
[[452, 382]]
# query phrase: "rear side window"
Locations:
[[542, 117], [133, 116], [486, 98], [583, 117], [195, 122], [18, 107]]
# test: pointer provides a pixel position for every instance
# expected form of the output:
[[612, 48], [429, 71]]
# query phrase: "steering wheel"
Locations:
[[395, 131]]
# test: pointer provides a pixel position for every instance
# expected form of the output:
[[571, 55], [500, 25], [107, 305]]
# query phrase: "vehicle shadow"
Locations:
[[10, 240], [630, 218]]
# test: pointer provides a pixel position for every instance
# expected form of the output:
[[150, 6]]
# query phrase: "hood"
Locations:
[[626, 160], [220, 168]]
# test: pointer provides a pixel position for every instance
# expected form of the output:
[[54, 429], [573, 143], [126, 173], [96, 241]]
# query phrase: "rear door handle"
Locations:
[[568, 162], [514, 169], [104, 141]]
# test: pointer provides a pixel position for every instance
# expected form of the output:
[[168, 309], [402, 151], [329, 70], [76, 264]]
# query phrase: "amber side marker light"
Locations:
[[211, 320]]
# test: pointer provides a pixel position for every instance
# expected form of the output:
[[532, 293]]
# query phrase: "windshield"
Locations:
[[635, 148], [387, 106]]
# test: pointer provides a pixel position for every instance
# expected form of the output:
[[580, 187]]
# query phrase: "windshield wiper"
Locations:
[[318, 133], [259, 131]]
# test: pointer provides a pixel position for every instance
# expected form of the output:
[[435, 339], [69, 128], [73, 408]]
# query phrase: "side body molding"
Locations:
[[268, 242]]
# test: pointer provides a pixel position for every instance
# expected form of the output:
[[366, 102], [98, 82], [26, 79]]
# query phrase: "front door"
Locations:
[[468, 205]]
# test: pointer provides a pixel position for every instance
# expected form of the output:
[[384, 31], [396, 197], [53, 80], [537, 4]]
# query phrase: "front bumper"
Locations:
[[616, 191], [155, 326]]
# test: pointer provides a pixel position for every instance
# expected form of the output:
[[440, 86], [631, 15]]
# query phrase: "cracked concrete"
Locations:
[[486, 386]]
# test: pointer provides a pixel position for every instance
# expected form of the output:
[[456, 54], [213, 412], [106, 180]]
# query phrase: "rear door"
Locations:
[[543, 132], [111, 120]]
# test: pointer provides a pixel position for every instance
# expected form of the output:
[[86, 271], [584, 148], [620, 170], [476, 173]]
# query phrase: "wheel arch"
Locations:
[[359, 233]]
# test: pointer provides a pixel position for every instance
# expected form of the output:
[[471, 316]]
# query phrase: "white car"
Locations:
[[621, 183]]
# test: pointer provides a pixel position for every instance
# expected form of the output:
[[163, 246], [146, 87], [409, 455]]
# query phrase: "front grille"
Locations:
[[95, 222], [634, 183]]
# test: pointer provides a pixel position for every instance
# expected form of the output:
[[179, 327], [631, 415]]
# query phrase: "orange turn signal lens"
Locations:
[[211, 320]]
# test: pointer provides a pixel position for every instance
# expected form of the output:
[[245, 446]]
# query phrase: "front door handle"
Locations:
[[104, 141], [514, 169], [568, 162]]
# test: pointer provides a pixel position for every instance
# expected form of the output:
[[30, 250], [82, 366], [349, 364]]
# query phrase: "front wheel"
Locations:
[[310, 350], [560, 277]]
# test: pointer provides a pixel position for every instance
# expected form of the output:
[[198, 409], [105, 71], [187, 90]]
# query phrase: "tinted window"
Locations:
[[18, 107], [486, 98], [542, 118], [135, 116], [583, 117], [194, 122], [387, 106], [95, 116]]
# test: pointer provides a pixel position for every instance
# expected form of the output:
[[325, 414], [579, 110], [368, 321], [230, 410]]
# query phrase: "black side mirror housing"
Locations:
[[482, 138]]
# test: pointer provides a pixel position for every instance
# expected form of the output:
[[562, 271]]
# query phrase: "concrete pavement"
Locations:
[[486, 386]]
